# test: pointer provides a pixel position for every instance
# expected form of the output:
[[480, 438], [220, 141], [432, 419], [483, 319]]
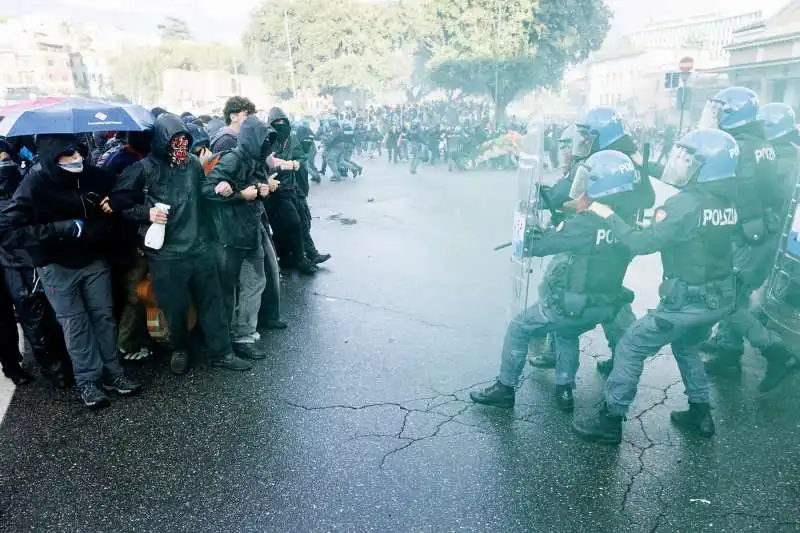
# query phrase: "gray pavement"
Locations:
[[359, 419]]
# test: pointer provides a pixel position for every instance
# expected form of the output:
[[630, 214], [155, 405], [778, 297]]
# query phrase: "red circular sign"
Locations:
[[686, 64]]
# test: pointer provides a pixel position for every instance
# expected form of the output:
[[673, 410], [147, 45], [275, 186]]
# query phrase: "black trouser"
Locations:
[[10, 358], [309, 247], [287, 228], [38, 321], [179, 283]]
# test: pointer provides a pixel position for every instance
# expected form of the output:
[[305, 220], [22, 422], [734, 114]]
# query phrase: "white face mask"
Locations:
[[73, 166]]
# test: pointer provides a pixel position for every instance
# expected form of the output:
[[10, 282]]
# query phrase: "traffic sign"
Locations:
[[686, 64]]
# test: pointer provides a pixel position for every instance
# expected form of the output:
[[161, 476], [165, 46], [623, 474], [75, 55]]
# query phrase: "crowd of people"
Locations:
[[176, 234]]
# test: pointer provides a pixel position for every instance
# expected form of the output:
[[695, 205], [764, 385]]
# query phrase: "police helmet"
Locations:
[[567, 136], [730, 109], [347, 127], [778, 119], [600, 128], [603, 175], [702, 156]]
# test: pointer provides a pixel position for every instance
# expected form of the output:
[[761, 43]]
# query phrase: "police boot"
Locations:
[[724, 359], [780, 363], [17, 374], [564, 400], [696, 420], [497, 395], [605, 366], [605, 429]]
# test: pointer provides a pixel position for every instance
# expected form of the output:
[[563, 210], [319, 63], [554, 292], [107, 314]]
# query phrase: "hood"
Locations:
[[50, 146], [276, 113], [213, 126], [199, 137], [141, 140], [283, 132], [253, 138], [225, 130], [165, 128]]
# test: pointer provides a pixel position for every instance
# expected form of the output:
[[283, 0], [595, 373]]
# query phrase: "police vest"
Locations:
[[706, 254], [756, 178], [601, 268]]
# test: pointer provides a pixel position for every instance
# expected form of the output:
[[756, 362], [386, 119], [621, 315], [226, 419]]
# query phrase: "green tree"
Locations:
[[174, 29], [501, 48], [366, 46]]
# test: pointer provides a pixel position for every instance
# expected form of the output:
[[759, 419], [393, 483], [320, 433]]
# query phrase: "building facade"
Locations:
[[765, 57], [710, 32]]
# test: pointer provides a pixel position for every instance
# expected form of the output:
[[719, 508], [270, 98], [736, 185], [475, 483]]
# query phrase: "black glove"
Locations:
[[67, 229], [91, 202]]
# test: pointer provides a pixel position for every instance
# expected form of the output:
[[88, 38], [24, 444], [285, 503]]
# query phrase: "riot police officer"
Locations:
[[693, 232], [590, 289], [602, 128], [759, 198]]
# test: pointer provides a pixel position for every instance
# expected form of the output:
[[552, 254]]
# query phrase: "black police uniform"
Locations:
[[693, 232], [759, 197], [587, 293]]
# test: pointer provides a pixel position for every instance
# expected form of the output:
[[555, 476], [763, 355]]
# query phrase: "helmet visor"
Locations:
[[580, 184], [680, 168], [712, 114], [564, 155], [582, 143]]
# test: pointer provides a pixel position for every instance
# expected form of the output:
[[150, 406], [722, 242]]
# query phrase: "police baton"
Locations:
[[501, 246]]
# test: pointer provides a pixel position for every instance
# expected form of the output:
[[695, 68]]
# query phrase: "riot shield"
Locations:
[[528, 213], [780, 301]]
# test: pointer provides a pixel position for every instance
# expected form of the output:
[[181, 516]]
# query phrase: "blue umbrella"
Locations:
[[75, 115]]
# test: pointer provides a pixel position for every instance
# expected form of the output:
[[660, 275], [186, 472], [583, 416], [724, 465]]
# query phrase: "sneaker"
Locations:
[[122, 385], [247, 350], [93, 396], [179, 362], [17, 375], [274, 324], [231, 362], [139, 355], [320, 258]]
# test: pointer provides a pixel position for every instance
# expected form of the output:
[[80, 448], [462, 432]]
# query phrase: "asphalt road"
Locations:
[[359, 421]]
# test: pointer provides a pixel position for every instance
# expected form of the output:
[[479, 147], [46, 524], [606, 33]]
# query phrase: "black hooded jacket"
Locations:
[[50, 194], [237, 220], [152, 180], [287, 147]]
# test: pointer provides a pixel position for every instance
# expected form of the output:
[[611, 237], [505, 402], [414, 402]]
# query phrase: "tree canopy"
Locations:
[[501, 48]]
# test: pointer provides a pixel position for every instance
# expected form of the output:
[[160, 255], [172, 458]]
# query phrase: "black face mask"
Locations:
[[283, 130]]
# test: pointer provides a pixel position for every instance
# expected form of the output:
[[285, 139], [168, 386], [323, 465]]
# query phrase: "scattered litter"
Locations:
[[700, 500], [370, 200], [348, 221], [337, 216]]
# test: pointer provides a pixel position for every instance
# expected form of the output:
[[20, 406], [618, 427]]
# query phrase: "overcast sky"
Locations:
[[226, 20]]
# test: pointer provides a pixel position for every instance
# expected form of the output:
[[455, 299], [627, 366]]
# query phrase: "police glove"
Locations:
[[66, 229], [601, 210]]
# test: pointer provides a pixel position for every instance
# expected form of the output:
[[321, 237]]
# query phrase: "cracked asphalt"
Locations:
[[359, 420]]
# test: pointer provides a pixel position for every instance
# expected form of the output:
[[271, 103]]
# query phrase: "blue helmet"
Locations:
[[702, 156], [598, 130], [778, 119], [730, 109], [605, 174]]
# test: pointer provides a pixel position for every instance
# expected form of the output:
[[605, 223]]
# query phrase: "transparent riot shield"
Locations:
[[528, 213], [780, 301]]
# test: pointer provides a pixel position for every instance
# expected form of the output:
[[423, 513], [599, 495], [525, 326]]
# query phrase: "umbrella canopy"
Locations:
[[73, 115]]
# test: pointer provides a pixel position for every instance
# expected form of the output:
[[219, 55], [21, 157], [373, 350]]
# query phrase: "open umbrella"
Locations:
[[74, 115]]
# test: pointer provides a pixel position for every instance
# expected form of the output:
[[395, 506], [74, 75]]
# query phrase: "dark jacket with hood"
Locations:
[[10, 178], [153, 180], [288, 148], [237, 220], [49, 195], [224, 139]]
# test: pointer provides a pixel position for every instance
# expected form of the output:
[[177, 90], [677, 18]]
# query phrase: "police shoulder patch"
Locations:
[[560, 226], [660, 215]]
